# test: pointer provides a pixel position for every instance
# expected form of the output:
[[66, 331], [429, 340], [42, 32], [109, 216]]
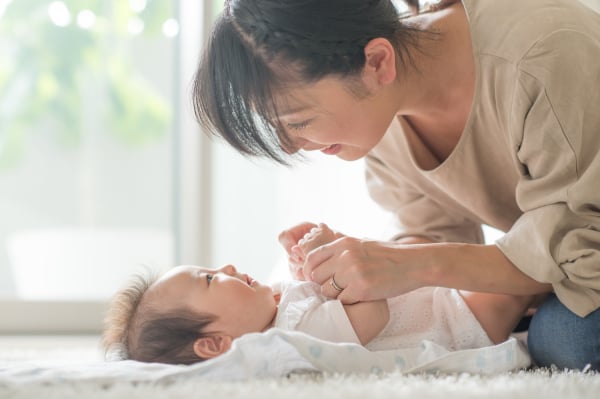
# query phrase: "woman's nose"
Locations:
[[310, 146], [294, 145]]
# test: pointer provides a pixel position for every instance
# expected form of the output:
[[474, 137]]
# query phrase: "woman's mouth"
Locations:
[[332, 149]]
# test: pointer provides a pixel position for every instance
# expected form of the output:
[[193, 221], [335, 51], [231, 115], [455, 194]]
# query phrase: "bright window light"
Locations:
[[3, 5], [135, 26], [59, 13], [170, 28], [138, 5], [86, 19]]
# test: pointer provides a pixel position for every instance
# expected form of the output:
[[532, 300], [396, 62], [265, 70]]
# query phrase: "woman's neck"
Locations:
[[436, 96], [441, 83]]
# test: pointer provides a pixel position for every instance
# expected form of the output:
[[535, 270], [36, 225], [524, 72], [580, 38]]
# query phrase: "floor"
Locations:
[[24, 347]]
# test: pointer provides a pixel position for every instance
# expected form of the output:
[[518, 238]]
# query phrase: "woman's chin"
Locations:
[[350, 155]]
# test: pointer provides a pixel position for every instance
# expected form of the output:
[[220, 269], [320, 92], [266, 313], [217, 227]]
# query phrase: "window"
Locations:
[[90, 124]]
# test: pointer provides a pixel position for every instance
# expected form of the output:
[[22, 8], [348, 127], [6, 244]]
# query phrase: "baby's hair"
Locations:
[[122, 310], [135, 329]]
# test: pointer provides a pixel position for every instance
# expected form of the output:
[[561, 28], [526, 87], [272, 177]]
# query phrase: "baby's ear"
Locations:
[[212, 346]]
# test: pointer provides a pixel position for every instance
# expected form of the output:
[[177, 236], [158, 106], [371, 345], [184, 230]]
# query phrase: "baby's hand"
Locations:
[[318, 236], [315, 238]]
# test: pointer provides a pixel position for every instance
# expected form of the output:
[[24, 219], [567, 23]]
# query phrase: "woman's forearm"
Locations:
[[369, 270], [472, 267]]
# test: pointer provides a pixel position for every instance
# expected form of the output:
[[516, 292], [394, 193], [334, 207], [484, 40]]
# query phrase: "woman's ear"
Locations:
[[212, 346], [380, 61]]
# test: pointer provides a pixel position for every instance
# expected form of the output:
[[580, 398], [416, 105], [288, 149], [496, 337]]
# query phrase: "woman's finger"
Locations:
[[332, 287], [315, 267]]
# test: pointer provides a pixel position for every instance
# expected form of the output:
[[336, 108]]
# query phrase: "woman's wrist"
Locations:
[[441, 263], [421, 263], [426, 267], [423, 267], [406, 264]]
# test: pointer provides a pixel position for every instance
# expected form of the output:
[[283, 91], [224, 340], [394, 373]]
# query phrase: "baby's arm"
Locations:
[[368, 318], [498, 314]]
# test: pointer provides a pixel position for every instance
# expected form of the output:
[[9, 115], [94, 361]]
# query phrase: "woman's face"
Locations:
[[327, 116], [241, 304]]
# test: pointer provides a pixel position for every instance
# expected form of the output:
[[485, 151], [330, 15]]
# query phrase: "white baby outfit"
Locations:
[[435, 314]]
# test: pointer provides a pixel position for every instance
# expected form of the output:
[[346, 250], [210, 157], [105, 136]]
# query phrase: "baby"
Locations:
[[191, 314]]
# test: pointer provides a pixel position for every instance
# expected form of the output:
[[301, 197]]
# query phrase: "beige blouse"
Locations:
[[528, 161]]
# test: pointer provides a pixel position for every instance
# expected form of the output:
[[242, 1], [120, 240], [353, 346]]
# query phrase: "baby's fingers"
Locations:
[[296, 270], [317, 237], [290, 237]]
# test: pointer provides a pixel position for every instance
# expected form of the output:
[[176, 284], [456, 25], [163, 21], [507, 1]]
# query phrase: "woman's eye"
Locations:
[[299, 125]]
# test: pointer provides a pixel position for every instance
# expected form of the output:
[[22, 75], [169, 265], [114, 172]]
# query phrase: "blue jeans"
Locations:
[[559, 337]]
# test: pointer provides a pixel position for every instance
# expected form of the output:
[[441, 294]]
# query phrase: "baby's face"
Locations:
[[241, 304]]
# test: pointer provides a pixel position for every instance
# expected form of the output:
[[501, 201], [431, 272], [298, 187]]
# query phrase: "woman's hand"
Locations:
[[303, 238], [354, 270], [363, 270]]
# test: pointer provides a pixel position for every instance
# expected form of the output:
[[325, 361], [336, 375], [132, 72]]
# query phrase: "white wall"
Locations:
[[254, 200]]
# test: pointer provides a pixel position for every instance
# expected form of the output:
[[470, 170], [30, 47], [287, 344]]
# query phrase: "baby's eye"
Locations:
[[209, 278]]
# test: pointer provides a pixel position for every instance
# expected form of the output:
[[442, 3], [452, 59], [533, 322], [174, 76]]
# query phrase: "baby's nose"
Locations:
[[229, 270]]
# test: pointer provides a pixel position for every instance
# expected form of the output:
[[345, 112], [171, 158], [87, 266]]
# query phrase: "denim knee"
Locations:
[[559, 337]]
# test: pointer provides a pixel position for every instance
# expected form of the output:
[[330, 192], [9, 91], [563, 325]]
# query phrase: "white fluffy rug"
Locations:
[[546, 384], [539, 384]]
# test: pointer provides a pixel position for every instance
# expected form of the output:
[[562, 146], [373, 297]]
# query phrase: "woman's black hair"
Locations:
[[258, 47]]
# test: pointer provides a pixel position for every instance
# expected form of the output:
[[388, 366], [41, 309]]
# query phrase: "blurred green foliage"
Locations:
[[48, 71]]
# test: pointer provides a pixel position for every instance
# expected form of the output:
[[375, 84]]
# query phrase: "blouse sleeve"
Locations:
[[555, 129]]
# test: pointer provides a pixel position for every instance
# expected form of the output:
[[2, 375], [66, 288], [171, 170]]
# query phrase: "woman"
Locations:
[[480, 111]]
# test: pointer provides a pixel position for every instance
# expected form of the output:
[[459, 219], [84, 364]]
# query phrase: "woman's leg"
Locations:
[[559, 337]]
